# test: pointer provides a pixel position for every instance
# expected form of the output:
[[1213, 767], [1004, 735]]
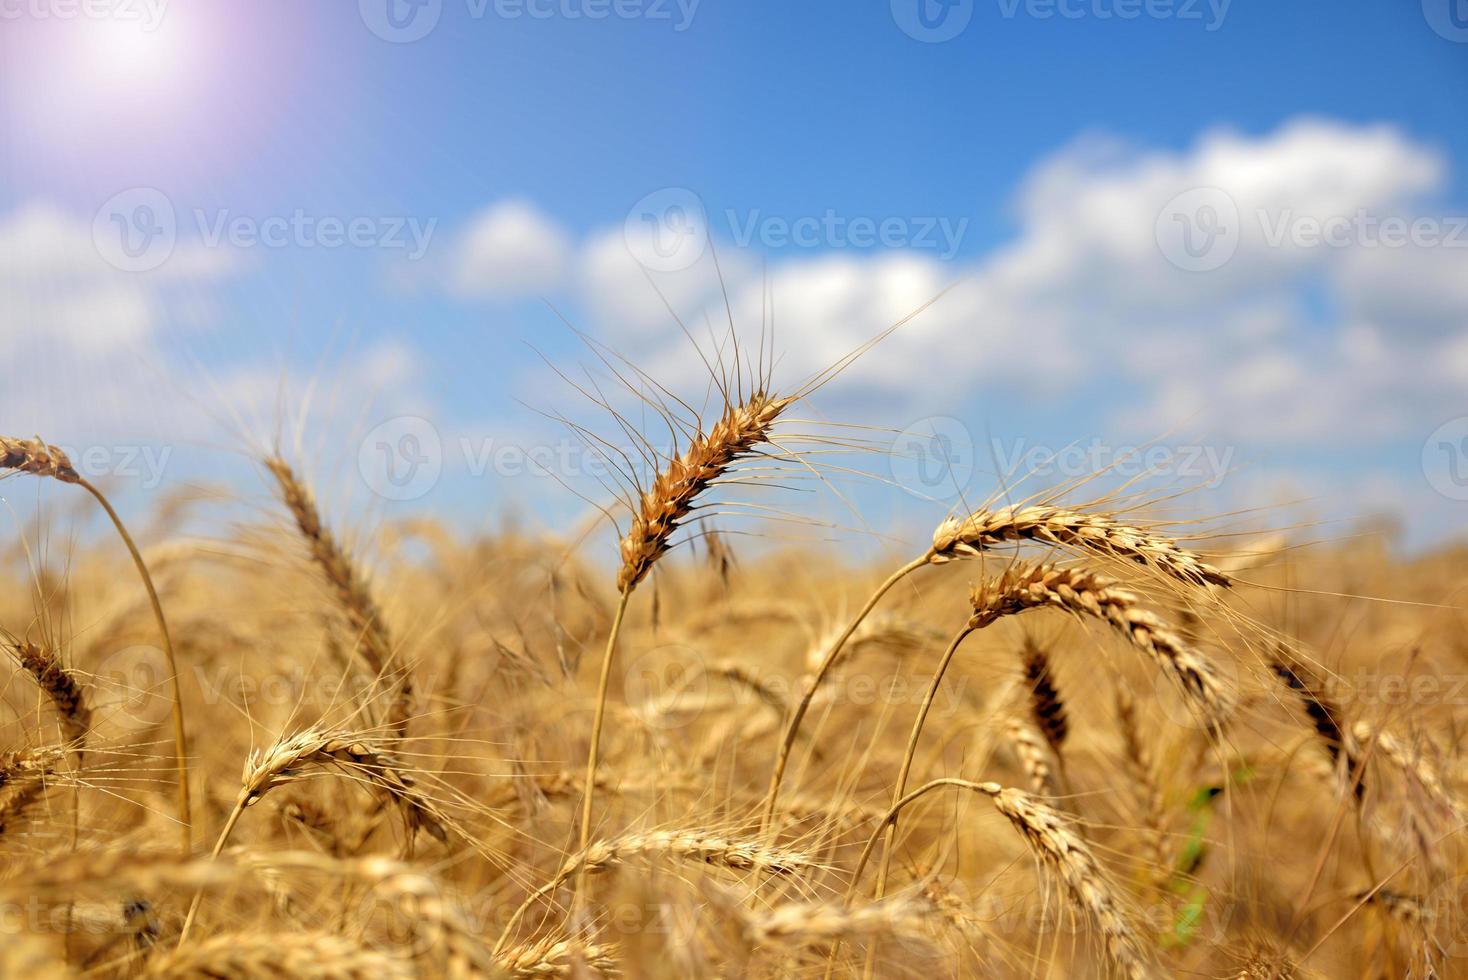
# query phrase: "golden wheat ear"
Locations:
[[349, 585], [60, 686], [1088, 533]]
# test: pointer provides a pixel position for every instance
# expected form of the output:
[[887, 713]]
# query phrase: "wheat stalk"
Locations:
[[40, 459]]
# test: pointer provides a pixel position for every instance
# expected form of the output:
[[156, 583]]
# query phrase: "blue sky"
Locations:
[[1047, 141]]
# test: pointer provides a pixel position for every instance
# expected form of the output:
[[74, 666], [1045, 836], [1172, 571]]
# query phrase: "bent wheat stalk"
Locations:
[[40, 459], [1058, 848], [957, 538]]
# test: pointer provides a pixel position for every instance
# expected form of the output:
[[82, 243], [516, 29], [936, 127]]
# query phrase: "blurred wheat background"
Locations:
[[672, 488]]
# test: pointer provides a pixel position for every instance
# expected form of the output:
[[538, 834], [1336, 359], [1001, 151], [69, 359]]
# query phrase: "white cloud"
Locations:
[[96, 346], [1284, 343], [509, 249], [58, 292]]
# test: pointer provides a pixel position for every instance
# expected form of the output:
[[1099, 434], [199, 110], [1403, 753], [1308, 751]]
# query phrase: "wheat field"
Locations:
[[1062, 736]]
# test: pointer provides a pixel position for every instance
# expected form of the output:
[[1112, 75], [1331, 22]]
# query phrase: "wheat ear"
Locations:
[[60, 687], [1325, 718], [1413, 764], [1095, 534], [290, 759], [23, 777], [40, 459], [1137, 762], [1059, 849], [1046, 706], [1077, 590], [1034, 754], [557, 958], [374, 643], [688, 846], [1038, 586], [659, 512], [806, 923]]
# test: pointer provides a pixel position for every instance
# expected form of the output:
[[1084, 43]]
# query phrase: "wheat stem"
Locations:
[[180, 739], [792, 727], [593, 751]]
